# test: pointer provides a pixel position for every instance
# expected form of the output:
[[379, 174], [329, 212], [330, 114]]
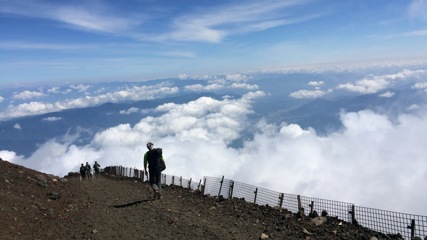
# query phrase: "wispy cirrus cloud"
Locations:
[[84, 16], [211, 24], [216, 23]]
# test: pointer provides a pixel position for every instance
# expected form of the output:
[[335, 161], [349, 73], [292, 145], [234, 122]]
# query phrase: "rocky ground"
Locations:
[[35, 205]]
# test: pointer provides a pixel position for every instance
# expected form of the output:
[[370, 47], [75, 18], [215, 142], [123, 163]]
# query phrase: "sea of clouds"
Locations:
[[372, 162]]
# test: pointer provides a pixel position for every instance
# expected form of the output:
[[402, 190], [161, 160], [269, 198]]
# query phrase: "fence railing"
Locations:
[[387, 222]]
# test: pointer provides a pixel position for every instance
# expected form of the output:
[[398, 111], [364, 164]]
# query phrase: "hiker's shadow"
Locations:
[[132, 203]]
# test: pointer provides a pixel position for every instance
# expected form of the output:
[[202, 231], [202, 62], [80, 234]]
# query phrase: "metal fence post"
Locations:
[[281, 197], [200, 184], [204, 186], [230, 190], [300, 208], [412, 227], [165, 179], [256, 193], [220, 187], [173, 180], [189, 183], [353, 215], [180, 181], [311, 205]]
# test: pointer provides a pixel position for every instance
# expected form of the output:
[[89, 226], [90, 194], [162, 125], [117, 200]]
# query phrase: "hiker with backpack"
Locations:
[[82, 172], [156, 164], [88, 170], [96, 167]]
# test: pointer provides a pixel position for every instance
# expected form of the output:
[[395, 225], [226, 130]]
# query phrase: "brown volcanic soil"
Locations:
[[112, 208]]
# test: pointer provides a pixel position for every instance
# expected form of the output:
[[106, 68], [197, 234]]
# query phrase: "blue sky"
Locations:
[[81, 41]]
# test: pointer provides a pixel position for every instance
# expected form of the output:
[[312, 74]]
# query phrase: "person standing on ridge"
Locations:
[[156, 165], [88, 170], [96, 167], [82, 172]]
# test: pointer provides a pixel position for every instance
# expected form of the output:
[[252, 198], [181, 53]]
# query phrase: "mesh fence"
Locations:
[[392, 222], [407, 225]]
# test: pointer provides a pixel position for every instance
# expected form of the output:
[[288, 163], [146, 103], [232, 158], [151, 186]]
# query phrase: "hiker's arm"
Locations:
[[145, 163]]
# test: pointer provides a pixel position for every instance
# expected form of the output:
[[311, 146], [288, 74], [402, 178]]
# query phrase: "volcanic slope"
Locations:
[[34, 205]]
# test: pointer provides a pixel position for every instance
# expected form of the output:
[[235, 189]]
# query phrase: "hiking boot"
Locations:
[[156, 194]]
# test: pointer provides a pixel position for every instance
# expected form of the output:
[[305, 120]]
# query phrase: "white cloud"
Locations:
[[17, 126], [54, 90], [9, 155], [32, 108], [81, 87], [387, 94], [414, 107], [236, 77], [201, 88], [373, 83], [364, 156], [25, 95], [130, 111], [51, 119], [309, 93], [316, 83], [245, 86], [183, 76], [236, 81], [202, 119], [1, 99], [420, 85], [360, 164]]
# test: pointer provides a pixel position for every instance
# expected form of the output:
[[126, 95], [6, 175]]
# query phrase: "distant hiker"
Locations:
[[82, 172], [96, 167], [88, 170], [156, 165]]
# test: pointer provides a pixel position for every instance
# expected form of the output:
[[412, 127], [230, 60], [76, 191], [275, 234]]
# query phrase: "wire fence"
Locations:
[[387, 222]]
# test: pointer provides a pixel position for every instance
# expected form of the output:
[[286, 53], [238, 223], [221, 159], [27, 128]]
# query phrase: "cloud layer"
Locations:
[[373, 162]]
